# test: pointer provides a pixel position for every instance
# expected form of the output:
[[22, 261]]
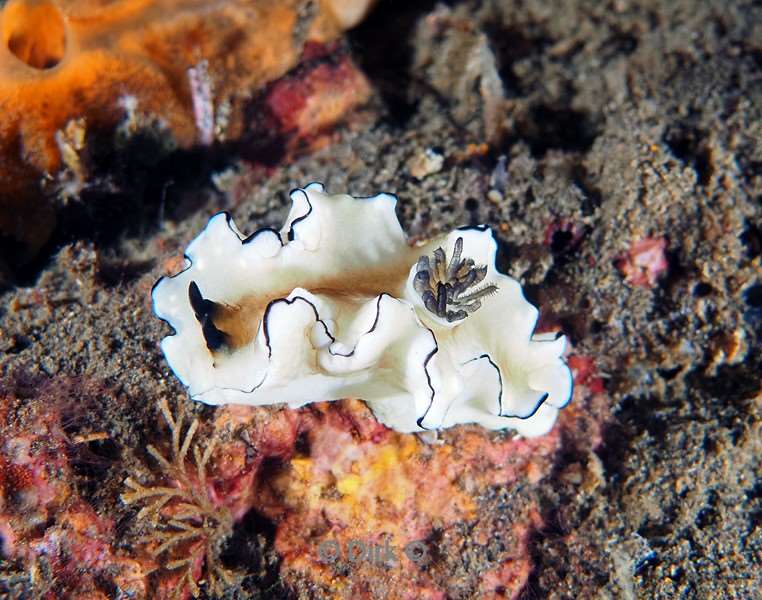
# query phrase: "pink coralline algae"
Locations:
[[361, 482], [509, 578], [61, 542], [585, 373], [645, 262], [331, 473], [334, 474]]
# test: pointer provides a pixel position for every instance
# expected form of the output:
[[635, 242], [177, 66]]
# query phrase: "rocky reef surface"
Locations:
[[615, 149]]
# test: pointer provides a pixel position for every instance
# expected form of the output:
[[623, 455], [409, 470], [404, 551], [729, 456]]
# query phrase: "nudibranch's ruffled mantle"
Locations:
[[336, 305]]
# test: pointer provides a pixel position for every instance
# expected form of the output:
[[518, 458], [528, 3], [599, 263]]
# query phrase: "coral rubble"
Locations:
[[330, 476]]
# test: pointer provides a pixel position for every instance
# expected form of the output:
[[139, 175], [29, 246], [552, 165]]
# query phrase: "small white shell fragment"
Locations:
[[425, 163], [337, 304]]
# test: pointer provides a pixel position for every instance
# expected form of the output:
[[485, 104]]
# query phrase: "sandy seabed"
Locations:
[[587, 135]]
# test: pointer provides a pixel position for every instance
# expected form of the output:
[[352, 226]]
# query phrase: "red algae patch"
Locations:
[[305, 104]]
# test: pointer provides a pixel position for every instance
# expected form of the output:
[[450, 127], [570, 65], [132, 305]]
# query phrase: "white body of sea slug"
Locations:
[[338, 304]]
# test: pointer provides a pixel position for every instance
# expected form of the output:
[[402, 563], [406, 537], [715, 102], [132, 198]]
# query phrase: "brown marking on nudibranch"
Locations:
[[239, 324]]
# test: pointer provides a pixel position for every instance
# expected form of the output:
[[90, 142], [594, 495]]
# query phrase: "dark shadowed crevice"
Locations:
[[250, 551], [116, 272], [512, 44], [689, 145], [131, 192], [593, 197], [556, 128], [753, 296], [752, 239], [382, 46]]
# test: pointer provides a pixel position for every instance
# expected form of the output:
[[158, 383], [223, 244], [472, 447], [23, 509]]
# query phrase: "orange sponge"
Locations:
[[62, 60]]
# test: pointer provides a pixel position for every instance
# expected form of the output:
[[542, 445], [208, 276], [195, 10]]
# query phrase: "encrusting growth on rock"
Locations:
[[187, 529]]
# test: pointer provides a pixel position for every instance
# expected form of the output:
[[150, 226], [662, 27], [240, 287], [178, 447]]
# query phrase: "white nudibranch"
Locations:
[[338, 304]]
